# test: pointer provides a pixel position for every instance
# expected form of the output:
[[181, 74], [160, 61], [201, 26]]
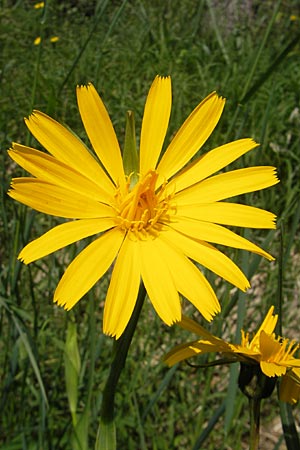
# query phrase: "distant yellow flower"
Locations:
[[39, 5], [151, 222], [54, 39], [37, 40], [275, 355], [293, 17]]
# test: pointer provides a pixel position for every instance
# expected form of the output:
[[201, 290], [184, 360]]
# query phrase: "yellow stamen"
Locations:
[[142, 210]]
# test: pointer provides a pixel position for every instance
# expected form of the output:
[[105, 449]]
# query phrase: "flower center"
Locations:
[[142, 210]]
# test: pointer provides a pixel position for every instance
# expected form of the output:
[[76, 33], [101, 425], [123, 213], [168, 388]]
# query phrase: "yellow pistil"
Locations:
[[141, 210]]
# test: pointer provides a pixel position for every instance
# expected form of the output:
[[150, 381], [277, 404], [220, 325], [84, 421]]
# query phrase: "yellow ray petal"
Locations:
[[57, 201], [191, 325], [47, 168], [100, 131], [191, 136], [180, 353], [61, 236], [271, 369], [189, 281], [292, 362], [208, 256], [87, 268], [207, 346], [229, 214], [155, 122], [289, 390], [268, 326], [268, 346], [245, 352], [229, 184], [211, 162], [67, 147], [123, 289], [295, 375], [185, 351], [210, 232], [159, 281]]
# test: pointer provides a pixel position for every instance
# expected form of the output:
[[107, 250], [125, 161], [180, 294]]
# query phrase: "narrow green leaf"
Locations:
[[80, 432], [216, 27], [106, 436], [130, 156], [260, 50], [163, 385], [265, 76], [33, 361], [289, 428], [72, 368], [210, 427]]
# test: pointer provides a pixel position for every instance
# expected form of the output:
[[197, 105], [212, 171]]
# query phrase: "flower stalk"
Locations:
[[256, 386], [106, 435], [254, 409]]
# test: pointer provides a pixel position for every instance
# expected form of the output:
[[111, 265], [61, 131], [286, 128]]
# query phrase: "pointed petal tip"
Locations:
[[113, 333], [163, 77], [172, 320], [247, 286], [175, 320], [210, 315], [22, 259], [84, 86], [62, 303], [33, 115], [217, 97], [275, 174]]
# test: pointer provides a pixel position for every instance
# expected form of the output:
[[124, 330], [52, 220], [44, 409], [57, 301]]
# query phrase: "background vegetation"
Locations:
[[249, 52]]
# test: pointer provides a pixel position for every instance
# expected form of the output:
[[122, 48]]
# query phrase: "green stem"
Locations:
[[254, 406], [106, 430], [289, 428]]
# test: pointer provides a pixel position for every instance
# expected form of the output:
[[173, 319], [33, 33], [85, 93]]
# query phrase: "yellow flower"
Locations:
[[39, 5], [37, 40], [54, 39], [275, 355], [152, 223]]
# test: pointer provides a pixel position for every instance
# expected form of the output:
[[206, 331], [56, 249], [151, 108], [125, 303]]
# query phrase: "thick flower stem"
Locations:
[[256, 386], [254, 407], [106, 431]]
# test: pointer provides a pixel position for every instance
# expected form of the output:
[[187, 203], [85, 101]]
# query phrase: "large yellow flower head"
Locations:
[[150, 223], [275, 355]]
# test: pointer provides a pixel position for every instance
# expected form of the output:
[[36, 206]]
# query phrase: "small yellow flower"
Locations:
[[37, 40], [39, 5], [54, 39], [150, 224], [275, 355], [293, 17]]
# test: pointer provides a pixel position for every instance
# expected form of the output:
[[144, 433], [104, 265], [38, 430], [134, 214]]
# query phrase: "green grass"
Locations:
[[250, 55]]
